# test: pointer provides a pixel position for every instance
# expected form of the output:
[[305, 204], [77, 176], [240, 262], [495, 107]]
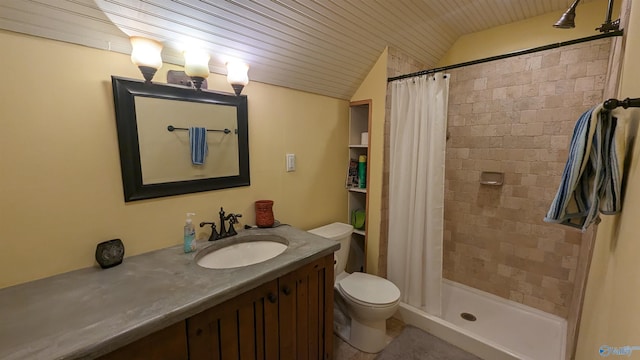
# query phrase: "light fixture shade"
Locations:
[[237, 73], [146, 52], [237, 76], [196, 63]]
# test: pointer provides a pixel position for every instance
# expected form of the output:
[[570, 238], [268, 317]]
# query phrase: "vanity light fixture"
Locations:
[[145, 54], [196, 65], [237, 76]]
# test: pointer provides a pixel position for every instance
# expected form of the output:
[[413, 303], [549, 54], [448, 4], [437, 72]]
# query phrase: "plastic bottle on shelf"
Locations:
[[362, 171]]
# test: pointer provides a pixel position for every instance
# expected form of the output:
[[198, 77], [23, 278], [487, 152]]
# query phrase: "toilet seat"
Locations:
[[369, 290]]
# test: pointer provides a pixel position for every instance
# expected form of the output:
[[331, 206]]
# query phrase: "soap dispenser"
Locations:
[[189, 235]]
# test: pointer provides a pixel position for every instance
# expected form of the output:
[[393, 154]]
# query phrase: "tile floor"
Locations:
[[344, 351]]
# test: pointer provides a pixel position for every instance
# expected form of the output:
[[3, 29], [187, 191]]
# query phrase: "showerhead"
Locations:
[[566, 21]]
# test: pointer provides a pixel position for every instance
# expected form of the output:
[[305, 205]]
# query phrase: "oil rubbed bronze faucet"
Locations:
[[215, 235]]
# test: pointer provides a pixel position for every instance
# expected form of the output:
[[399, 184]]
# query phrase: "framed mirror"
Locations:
[[161, 156]]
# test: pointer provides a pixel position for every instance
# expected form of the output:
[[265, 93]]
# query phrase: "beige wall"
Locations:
[[60, 182], [374, 87], [537, 31], [611, 316]]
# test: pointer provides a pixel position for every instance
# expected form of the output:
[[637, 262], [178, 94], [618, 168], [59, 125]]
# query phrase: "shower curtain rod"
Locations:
[[512, 54]]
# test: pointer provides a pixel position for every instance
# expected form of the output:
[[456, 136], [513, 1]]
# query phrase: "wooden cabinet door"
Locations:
[[306, 312], [244, 328], [289, 318], [167, 344]]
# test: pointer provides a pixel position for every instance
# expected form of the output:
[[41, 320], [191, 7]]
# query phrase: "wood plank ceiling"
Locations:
[[320, 46]]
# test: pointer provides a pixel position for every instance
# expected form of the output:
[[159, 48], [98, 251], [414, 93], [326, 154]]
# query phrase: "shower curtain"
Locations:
[[416, 189]]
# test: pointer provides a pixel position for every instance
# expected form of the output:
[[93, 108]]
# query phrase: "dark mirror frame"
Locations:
[[124, 93]]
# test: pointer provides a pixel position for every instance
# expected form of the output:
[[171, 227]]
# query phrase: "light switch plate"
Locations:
[[291, 162]]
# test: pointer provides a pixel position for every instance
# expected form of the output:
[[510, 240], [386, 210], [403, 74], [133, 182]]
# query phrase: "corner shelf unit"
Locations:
[[357, 198]]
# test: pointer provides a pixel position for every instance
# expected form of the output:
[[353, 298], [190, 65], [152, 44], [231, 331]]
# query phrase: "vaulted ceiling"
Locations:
[[321, 46]]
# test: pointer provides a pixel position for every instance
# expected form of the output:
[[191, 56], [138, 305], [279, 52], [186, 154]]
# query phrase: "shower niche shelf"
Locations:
[[491, 178], [358, 190]]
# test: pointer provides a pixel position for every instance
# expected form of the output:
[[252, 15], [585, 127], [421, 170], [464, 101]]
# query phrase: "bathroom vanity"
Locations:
[[162, 305], [284, 318]]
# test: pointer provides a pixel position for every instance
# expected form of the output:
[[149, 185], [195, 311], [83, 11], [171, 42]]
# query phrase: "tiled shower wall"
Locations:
[[516, 116]]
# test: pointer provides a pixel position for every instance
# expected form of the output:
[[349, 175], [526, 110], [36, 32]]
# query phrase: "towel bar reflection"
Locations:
[[226, 131]]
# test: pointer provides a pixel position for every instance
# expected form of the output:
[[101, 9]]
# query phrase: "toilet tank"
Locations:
[[341, 233]]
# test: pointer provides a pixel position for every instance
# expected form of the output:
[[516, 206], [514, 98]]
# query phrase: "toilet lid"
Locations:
[[369, 289]]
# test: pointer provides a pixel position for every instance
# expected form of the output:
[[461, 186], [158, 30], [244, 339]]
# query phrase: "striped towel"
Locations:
[[198, 144], [592, 178]]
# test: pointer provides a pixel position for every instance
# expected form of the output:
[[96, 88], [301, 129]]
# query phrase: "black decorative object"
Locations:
[[110, 253]]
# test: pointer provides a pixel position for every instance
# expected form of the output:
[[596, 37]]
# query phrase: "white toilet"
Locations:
[[368, 300]]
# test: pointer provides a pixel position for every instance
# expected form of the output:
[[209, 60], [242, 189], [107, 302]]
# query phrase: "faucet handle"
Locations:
[[233, 219], [214, 233]]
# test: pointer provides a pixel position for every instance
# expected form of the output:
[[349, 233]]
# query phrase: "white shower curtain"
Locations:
[[416, 189]]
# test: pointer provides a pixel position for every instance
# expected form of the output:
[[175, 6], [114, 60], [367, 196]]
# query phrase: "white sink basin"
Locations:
[[250, 250]]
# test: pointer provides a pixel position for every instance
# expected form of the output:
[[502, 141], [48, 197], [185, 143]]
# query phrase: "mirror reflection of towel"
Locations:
[[198, 144]]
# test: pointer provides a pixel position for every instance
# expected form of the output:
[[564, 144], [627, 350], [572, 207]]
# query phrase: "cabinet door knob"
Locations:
[[286, 290], [272, 298], [198, 332]]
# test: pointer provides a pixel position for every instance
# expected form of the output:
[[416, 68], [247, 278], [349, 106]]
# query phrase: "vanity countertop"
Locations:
[[89, 312]]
